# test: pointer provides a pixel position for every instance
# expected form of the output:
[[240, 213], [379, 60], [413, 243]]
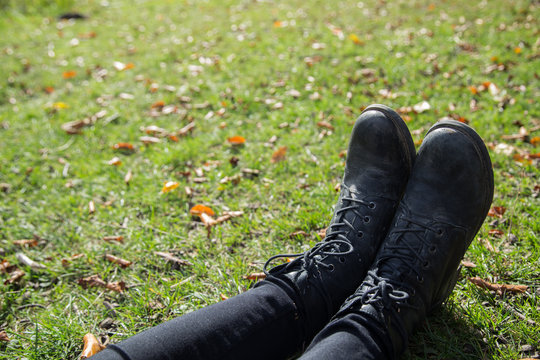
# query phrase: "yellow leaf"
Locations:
[[355, 39], [169, 185], [60, 105]]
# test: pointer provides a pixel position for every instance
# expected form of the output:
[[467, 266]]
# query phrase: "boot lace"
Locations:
[[335, 243]]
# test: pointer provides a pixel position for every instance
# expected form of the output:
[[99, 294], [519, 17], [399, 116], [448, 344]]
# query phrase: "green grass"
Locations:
[[418, 50]]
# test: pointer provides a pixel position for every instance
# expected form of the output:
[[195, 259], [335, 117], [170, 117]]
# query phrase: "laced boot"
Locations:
[[379, 161], [444, 205]]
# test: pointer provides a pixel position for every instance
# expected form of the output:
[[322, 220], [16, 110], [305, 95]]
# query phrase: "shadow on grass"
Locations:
[[446, 335]]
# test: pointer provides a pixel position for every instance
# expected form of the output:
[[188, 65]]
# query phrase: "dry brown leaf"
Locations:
[[325, 124], [496, 232], [96, 281], [255, 276], [499, 288], [147, 140], [186, 129], [116, 260], [6, 267], [26, 242], [91, 346], [16, 275], [67, 261], [487, 245], [123, 146], [497, 211], [4, 336], [170, 257], [279, 154], [468, 264], [117, 238], [299, 233]]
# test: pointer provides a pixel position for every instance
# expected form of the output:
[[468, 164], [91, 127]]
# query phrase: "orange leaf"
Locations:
[[278, 24], [535, 140], [123, 146], [69, 74], [91, 346], [499, 288], [473, 90], [236, 140], [158, 104], [497, 211], [279, 154], [200, 209], [168, 186], [517, 50], [255, 276], [49, 89], [325, 124]]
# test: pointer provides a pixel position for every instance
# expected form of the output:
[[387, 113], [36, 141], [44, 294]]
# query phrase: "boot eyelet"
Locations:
[[360, 234], [342, 259], [367, 219], [372, 205], [413, 292], [425, 265], [331, 267], [439, 232], [433, 249], [420, 279]]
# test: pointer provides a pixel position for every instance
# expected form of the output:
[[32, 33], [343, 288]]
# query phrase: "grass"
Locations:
[[245, 57]]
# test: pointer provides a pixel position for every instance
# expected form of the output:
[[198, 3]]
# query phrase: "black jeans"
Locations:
[[262, 323]]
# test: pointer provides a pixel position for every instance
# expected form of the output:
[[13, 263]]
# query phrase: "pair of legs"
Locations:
[[402, 223]]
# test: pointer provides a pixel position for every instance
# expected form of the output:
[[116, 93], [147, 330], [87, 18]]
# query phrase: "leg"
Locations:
[[236, 328]]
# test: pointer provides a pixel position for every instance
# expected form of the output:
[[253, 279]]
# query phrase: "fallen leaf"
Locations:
[[91, 207], [116, 260], [155, 130], [91, 346], [158, 104], [115, 161], [67, 261], [279, 154], [496, 232], [236, 140], [96, 281], [123, 147], [186, 129], [421, 107], [223, 297], [200, 209], [116, 238], [255, 276], [25, 260], [26, 242], [4, 336], [468, 264], [299, 233], [120, 66], [147, 140], [128, 177], [325, 124], [168, 186], [16, 275], [355, 39], [499, 288], [60, 105], [497, 211], [69, 74], [322, 233], [535, 140], [170, 257]]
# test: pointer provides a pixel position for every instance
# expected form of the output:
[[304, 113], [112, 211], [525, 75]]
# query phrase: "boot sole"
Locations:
[[480, 149], [403, 131]]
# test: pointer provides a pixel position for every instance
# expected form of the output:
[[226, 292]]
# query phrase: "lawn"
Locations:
[[112, 127]]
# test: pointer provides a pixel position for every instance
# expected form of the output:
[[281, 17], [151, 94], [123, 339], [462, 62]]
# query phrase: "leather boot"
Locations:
[[444, 205], [379, 161]]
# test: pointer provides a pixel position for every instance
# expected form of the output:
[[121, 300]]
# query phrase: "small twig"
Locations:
[[30, 305]]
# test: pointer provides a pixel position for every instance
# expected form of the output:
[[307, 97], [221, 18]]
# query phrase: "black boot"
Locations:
[[444, 205], [379, 161]]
